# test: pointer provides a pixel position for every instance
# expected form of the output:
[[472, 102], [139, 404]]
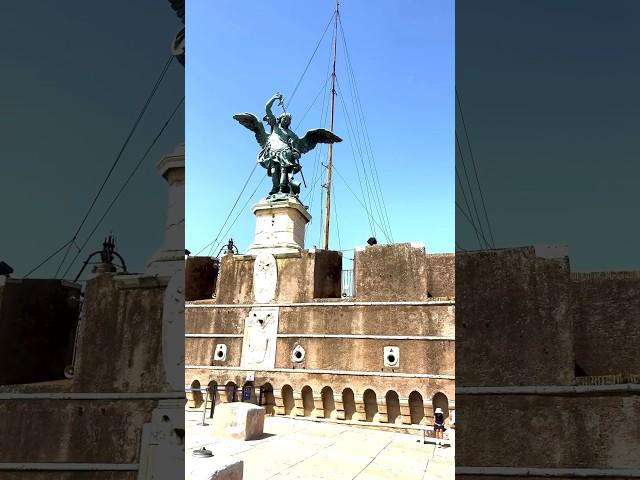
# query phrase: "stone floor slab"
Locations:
[[293, 449]]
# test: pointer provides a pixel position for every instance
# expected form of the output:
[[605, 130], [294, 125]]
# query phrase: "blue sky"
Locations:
[[402, 57]]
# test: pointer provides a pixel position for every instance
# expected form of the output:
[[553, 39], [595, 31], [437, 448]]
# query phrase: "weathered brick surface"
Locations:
[[313, 274], [36, 337], [606, 313], [513, 325], [441, 274], [201, 274], [72, 430], [580, 431], [125, 326], [416, 356], [390, 272]]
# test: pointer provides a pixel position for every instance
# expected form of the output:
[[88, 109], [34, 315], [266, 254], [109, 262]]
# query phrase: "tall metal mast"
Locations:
[[327, 214]]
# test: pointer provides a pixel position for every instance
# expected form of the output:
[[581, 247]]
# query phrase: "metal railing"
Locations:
[[347, 283]]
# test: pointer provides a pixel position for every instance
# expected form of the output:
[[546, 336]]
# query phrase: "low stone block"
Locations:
[[214, 468], [239, 421]]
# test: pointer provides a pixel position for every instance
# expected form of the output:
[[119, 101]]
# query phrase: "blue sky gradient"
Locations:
[[402, 56]]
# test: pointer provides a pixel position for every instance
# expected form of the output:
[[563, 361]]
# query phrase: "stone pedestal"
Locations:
[[239, 421], [279, 226], [170, 256]]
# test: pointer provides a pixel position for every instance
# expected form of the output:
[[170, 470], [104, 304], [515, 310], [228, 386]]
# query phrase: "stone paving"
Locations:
[[301, 449]]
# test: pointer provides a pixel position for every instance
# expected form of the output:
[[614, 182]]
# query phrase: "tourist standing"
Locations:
[[438, 425]]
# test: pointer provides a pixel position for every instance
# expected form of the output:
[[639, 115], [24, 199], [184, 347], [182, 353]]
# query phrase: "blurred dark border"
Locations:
[[92, 243], [547, 273]]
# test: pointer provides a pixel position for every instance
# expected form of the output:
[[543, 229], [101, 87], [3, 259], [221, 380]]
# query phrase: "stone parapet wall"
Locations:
[[547, 367], [513, 319], [441, 273], [391, 272], [122, 314], [36, 337], [201, 274], [606, 308], [301, 277], [381, 273]]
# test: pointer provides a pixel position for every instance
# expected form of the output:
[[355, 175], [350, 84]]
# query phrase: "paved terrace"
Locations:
[[302, 449]]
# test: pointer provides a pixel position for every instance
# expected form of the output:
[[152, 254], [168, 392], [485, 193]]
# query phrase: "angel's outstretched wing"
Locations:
[[250, 121], [314, 137]]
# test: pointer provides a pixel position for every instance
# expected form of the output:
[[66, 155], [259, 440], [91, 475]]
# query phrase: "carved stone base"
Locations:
[[279, 226]]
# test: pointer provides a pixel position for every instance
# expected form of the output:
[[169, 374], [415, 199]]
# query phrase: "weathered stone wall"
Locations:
[[301, 278], [573, 431], [433, 319], [318, 328], [327, 274], [524, 320], [122, 324], [390, 272], [428, 356], [606, 313], [81, 431], [342, 375], [36, 338], [513, 321], [235, 281], [441, 274], [216, 320], [201, 274]]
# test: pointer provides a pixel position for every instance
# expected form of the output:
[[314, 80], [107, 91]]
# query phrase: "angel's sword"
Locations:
[[281, 103]]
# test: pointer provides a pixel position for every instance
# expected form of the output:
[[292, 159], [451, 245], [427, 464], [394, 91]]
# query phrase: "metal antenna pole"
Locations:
[[330, 150]]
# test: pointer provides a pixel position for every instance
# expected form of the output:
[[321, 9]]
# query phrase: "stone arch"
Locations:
[[416, 407], [230, 392], [441, 400], [287, 400], [268, 400], [196, 397], [307, 401], [348, 403], [328, 403], [370, 405], [393, 407]]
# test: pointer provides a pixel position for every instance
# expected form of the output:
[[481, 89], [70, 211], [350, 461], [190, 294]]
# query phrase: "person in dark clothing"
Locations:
[[438, 425]]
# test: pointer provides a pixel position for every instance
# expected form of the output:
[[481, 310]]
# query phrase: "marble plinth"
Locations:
[[170, 256], [279, 226]]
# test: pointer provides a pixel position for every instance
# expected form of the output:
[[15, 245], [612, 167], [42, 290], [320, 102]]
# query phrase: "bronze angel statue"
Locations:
[[281, 148]]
